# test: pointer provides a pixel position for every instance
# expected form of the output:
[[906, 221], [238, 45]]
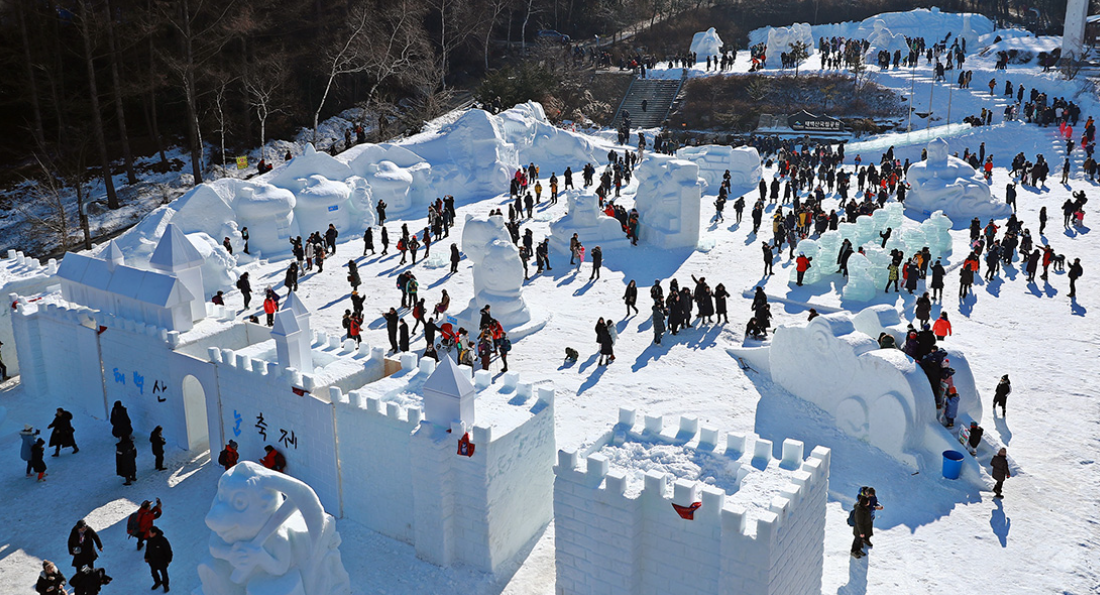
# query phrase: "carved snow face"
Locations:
[[501, 270], [937, 150], [242, 507]]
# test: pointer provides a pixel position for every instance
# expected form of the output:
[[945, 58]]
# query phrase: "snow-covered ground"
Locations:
[[934, 536]]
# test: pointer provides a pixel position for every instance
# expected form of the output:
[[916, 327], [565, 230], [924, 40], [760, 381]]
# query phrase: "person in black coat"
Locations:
[[63, 432], [455, 258], [1000, 397], [937, 280], [120, 421], [862, 528], [403, 338], [126, 460], [720, 297], [89, 581], [83, 543], [391, 327], [631, 297], [158, 555], [156, 439], [999, 463]]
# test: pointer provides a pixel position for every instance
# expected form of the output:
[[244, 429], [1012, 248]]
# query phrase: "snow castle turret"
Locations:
[[449, 396], [177, 256], [301, 314], [114, 256], [292, 344]]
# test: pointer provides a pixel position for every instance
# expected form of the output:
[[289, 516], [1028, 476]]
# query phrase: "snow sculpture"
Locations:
[[310, 162], [780, 39], [949, 184], [706, 43], [743, 164], [498, 273], [878, 395], [668, 202], [271, 536], [883, 39], [538, 141], [592, 226], [470, 156], [268, 213], [321, 202], [394, 174]]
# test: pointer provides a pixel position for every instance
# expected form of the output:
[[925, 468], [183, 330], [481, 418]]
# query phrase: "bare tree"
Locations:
[[264, 82], [384, 45], [221, 87], [32, 90]]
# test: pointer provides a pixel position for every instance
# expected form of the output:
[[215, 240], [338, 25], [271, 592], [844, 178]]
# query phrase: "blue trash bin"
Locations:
[[952, 464]]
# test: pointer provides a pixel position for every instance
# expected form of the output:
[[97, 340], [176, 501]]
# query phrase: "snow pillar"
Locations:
[[177, 256], [1073, 36]]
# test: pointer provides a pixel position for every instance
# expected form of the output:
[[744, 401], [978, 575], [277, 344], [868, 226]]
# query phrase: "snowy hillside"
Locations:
[[934, 535]]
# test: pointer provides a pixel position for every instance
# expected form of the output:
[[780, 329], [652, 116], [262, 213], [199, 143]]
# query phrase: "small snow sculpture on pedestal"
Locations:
[[946, 183], [668, 202], [592, 226], [271, 536], [706, 43], [498, 274]]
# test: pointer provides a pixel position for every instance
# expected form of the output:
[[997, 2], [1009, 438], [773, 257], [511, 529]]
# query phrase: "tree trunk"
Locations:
[[97, 119], [120, 113], [57, 87], [154, 129], [191, 96], [82, 212], [39, 131]]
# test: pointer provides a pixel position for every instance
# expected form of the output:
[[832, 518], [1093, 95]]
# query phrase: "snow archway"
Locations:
[[194, 408]]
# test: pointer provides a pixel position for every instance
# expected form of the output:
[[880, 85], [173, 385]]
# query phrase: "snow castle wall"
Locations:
[[610, 539], [26, 276]]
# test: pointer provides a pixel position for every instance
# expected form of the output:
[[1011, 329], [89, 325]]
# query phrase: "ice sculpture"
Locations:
[[668, 202], [714, 161], [780, 39], [498, 273], [706, 43], [946, 183], [861, 285], [271, 536], [883, 39]]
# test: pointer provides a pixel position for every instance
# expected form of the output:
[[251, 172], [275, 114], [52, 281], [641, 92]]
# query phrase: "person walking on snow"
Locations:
[[1000, 396], [1000, 473], [631, 297], [63, 435], [942, 327], [597, 261], [158, 556]]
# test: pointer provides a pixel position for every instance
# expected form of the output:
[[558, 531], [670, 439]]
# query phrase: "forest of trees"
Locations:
[[91, 84], [88, 85]]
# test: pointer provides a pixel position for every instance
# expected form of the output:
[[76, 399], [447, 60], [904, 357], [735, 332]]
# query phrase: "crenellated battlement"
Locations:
[[743, 538]]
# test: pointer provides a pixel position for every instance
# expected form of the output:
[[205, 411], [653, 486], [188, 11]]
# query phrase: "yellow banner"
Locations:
[[242, 162]]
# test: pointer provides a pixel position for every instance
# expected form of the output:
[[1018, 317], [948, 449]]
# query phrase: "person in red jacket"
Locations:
[[274, 459], [144, 521], [942, 327], [269, 308], [801, 264], [229, 457]]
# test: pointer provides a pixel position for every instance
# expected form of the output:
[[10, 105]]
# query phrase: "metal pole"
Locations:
[[931, 92], [949, 89]]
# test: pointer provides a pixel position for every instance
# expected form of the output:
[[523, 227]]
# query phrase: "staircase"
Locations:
[[659, 95]]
